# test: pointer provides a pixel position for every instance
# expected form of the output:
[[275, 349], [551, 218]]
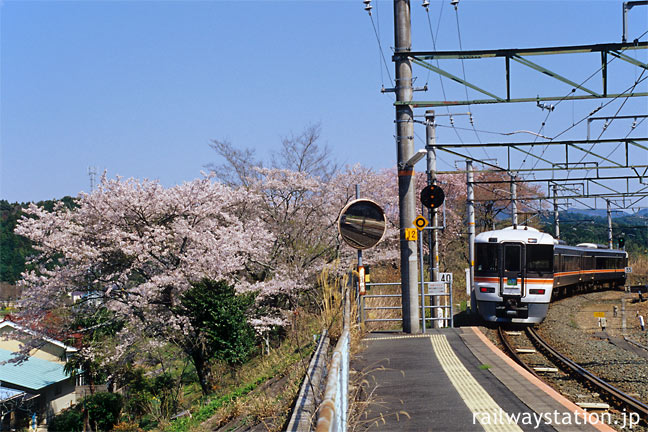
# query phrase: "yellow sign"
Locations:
[[420, 222], [599, 314], [411, 234]]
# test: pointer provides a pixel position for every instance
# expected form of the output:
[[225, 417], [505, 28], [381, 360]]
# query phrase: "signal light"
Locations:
[[621, 242]]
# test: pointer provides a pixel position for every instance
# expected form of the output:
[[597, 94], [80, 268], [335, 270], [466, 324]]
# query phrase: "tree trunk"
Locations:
[[202, 369]]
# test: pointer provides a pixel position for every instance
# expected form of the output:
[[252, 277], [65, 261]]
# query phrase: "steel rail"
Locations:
[[630, 402], [513, 353]]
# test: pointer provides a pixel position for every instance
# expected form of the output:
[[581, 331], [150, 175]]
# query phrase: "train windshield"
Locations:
[[539, 258], [512, 258], [486, 259]]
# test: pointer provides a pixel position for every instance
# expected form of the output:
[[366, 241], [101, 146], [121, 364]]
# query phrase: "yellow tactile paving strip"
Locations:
[[396, 337], [476, 398]]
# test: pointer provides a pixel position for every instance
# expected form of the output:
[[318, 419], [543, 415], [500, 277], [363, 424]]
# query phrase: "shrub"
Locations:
[[103, 411]]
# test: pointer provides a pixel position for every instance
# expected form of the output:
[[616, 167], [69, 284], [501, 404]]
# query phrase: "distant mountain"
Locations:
[[642, 213], [598, 212]]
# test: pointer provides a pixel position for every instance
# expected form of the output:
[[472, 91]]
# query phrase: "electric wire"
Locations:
[[575, 124], [622, 104], [639, 80], [434, 39], [629, 132], [382, 54], [463, 70], [493, 132], [587, 79]]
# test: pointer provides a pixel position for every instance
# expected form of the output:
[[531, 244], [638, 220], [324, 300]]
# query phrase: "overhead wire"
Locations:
[[577, 123], [544, 122], [463, 70], [434, 39], [612, 119], [637, 82], [602, 105], [380, 49]]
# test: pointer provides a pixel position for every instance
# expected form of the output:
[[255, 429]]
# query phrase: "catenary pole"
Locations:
[[433, 234], [405, 150], [470, 208], [556, 212], [609, 221], [514, 210]]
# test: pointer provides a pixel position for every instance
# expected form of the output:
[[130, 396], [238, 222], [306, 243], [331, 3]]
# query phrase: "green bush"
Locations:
[[103, 410], [70, 420]]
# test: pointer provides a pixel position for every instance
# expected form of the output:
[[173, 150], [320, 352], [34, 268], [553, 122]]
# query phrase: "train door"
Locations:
[[512, 281]]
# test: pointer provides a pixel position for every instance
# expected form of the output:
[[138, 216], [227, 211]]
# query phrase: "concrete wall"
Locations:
[[48, 351]]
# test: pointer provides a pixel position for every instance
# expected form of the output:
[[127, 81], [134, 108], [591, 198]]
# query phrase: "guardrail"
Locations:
[[333, 410], [303, 416]]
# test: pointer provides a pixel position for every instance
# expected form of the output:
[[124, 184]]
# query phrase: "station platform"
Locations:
[[457, 380]]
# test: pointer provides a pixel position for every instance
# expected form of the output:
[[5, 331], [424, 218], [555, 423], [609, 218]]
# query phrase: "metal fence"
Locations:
[[428, 292]]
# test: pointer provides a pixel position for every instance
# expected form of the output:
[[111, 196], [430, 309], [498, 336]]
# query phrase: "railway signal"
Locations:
[[432, 196]]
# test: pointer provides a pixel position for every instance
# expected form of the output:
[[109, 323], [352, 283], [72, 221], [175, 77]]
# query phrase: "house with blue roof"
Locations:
[[41, 377]]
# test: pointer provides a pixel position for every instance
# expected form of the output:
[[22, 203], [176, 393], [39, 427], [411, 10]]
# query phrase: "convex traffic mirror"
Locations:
[[362, 224]]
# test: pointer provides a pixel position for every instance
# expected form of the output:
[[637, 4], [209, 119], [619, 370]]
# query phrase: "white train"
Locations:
[[517, 271]]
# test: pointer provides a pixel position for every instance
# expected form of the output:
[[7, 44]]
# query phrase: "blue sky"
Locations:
[[139, 88]]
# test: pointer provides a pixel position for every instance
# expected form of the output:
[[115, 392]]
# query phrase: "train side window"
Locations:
[[487, 258], [556, 263], [512, 258], [603, 263], [571, 262], [539, 258]]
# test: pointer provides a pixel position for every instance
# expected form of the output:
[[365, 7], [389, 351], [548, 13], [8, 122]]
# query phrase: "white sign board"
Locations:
[[435, 288], [445, 277]]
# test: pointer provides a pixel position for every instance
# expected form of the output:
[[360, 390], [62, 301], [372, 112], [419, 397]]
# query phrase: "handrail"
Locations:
[[333, 410], [306, 404]]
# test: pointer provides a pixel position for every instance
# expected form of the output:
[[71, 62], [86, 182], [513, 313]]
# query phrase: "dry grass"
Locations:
[[639, 275], [332, 299], [277, 376]]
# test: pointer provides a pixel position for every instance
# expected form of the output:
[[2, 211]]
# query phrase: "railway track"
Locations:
[[607, 391]]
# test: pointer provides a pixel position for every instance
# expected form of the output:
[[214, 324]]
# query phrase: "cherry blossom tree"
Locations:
[[134, 248]]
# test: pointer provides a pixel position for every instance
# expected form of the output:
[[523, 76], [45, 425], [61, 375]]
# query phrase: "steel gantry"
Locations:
[[607, 51], [639, 168]]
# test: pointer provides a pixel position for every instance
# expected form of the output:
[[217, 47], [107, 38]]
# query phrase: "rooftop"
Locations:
[[33, 373]]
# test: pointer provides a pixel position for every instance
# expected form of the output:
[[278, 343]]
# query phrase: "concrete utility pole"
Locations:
[[470, 208], [514, 212], [433, 234], [609, 220], [405, 145], [556, 212]]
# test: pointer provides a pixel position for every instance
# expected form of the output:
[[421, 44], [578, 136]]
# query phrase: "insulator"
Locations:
[[368, 8], [426, 4]]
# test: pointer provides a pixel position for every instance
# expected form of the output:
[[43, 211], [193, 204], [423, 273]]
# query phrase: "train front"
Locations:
[[513, 275]]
